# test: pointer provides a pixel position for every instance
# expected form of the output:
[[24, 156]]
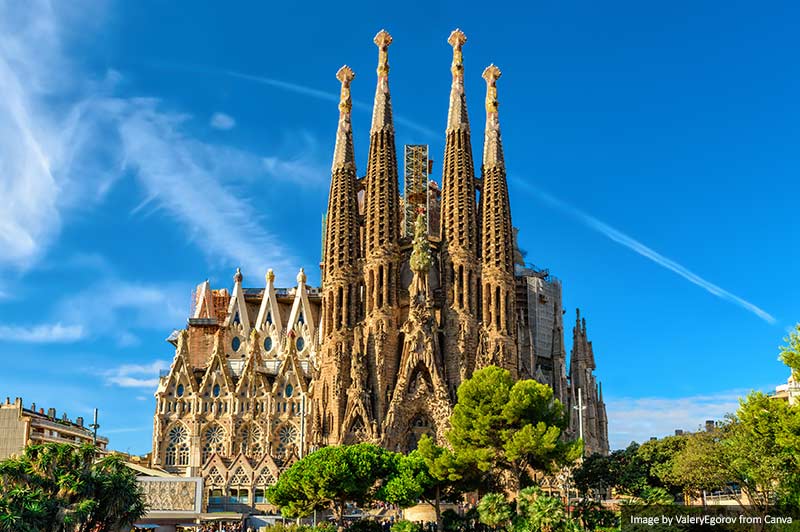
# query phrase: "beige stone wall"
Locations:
[[13, 431]]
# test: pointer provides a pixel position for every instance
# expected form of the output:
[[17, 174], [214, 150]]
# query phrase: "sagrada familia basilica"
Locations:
[[408, 309]]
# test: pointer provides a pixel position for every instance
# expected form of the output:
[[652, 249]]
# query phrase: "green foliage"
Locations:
[[657, 456], [406, 526], [513, 426], [330, 477], [420, 260], [700, 465], [790, 353], [539, 512], [54, 487], [760, 447], [365, 525], [593, 515], [623, 470], [494, 510]]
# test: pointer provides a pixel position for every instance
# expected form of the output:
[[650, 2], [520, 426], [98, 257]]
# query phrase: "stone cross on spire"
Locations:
[[382, 111], [343, 153], [457, 112], [492, 147]]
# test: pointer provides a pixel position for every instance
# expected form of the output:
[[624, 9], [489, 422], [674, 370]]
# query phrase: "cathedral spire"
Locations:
[[459, 230], [497, 239], [457, 112], [493, 146], [381, 272], [343, 153], [382, 110]]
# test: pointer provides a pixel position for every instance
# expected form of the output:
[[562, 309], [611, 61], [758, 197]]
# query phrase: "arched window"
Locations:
[[213, 441], [179, 391], [268, 344], [236, 343], [177, 451], [215, 390]]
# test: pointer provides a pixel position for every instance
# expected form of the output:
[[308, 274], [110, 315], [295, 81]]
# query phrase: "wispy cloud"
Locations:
[[117, 308], [634, 245], [135, 375], [48, 333], [640, 418], [67, 140], [222, 121]]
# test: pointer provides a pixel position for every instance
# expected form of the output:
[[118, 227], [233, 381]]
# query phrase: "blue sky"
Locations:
[[146, 146]]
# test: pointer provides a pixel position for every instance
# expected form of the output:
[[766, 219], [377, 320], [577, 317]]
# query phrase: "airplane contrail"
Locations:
[[322, 95], [634, 245]]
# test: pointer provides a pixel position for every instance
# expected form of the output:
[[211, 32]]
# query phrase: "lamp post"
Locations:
[[580, 408]]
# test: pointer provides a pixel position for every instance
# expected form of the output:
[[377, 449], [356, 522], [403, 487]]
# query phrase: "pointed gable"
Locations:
[[269, 314], [302, 318], [217, 373], [250, 381], [237, 308], [180, 373], [203, 302]]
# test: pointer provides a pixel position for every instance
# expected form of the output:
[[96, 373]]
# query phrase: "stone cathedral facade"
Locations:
[[262, 376]]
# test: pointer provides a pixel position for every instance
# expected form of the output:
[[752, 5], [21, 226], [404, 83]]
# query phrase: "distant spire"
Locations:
[[343, 153], [493, 146], [457, 112], [382, 110]]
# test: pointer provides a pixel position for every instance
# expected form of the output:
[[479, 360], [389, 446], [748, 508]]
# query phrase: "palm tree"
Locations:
[[494, 510], [61, 488]]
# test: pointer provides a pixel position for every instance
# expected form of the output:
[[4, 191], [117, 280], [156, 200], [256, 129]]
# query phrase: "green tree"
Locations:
[[701, 464], [515, 427], [59, 487], [790, 353], [657, 457], [430, 473], [330, 477], [622, 470], [760, 450], [495, 511]]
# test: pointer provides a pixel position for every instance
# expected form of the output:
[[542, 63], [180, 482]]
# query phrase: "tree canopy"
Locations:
[[58, 487], [515, 427], [331, 477], [790, 352]]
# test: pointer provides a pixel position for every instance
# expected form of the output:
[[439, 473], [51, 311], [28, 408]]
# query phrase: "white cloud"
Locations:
[[67, 140], [48, 333], [637, 247], [639, 419], [222, 121], [135, 375], [115, 308]]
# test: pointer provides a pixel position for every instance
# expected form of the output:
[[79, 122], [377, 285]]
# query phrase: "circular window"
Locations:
[[236, 343], [300, 343], [288, 391], [215, 391], [180, 390], [268, 344]]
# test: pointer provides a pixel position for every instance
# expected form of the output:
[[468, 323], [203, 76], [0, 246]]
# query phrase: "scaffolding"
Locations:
[[415, 185]]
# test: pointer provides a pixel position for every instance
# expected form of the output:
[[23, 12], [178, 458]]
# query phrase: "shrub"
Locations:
[[406, 526], [365, 525]]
